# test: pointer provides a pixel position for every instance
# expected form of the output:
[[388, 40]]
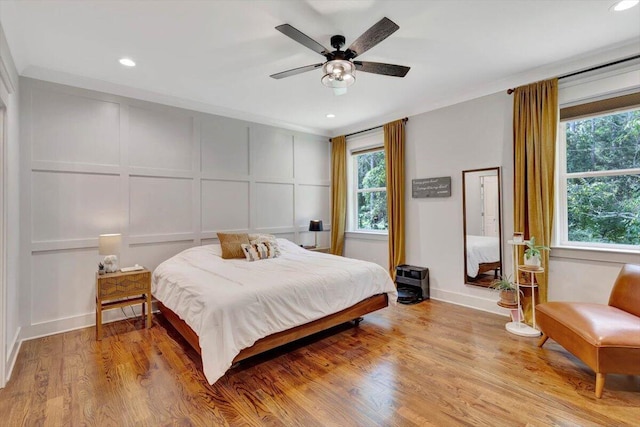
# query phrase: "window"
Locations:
[[370, 191], [599, 176]]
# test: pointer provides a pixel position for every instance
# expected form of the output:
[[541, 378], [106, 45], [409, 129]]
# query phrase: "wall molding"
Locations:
[[5, 75], [136, 171], [12, 353], [85, 83], [161, 238], [180, 177], [86, 168], [80, 321], [63, 245]]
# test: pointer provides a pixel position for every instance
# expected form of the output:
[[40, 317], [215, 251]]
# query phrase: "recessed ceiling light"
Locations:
[[330, 116], [127, 62], [624, 5]]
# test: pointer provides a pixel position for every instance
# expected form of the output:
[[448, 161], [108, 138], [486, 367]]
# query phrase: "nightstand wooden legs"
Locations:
[[149, 311], [98, 321]]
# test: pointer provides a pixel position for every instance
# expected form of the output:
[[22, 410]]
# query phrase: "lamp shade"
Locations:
[[315, 225], [109, 244]]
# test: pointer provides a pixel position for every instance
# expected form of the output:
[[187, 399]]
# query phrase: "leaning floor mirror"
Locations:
[[482, 226]]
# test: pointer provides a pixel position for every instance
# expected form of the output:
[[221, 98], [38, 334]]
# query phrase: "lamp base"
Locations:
[[522, 329], [110, 263]]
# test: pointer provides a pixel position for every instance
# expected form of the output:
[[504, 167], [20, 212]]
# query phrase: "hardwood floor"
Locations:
[[426, 364]]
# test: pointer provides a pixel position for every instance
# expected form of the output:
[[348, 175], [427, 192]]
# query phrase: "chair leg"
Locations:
[[599, 384], [543, 339]]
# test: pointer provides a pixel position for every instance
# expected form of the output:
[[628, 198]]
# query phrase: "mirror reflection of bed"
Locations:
[[482, 226]]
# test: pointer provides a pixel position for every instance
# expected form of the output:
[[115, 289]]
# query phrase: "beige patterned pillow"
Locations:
[[230, 244], [258, 251], [265, 238]]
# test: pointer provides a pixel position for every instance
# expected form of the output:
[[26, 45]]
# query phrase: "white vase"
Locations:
[[533, 261]]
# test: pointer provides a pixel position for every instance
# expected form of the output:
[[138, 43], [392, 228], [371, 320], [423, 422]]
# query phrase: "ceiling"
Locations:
[[217, 55]]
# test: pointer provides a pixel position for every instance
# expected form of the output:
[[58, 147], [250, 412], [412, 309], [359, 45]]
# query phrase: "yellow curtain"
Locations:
[[338, 193], [394, 158], [535, 122]]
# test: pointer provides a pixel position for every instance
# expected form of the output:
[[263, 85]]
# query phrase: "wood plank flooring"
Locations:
[[430, 364]]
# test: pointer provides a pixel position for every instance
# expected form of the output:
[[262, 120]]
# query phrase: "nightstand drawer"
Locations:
[[121, 286]]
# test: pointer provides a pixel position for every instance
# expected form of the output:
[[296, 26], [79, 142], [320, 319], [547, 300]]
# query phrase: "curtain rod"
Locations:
[[405, 120], [597, 67]]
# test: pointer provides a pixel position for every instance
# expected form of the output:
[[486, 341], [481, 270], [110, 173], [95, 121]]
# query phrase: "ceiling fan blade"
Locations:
[[302, 38], [374, 35], [295, 71], [381, 68]]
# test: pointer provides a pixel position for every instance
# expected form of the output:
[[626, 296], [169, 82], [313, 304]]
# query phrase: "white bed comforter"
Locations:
[[232, 303], [481, 249]]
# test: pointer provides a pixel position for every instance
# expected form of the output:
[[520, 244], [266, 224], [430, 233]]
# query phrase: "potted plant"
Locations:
[[507, 290], [532, 253]]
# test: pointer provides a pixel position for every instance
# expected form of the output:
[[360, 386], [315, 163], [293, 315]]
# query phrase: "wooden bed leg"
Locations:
[[599, 384], [543, 339], [358, 320]]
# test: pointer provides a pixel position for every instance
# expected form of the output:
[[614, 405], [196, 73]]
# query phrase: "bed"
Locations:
[[231, 309], [483, 255]]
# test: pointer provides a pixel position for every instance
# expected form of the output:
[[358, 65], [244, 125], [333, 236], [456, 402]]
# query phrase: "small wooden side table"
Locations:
[[120, 289], [318, 249]]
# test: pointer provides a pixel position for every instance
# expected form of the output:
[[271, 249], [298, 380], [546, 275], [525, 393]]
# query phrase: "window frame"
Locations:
[[355, 191], [561, 233]]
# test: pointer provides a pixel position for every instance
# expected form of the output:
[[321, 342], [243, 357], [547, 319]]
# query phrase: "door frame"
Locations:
[[3, 246]]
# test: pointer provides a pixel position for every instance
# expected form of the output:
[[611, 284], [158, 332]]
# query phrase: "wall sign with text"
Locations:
[[431, 187]]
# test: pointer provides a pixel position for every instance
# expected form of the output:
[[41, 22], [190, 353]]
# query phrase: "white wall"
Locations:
[[472, 135], [166, 178], [10, 169]]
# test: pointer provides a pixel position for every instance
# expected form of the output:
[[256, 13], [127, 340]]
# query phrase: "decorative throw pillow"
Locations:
[[265, 238], [230, 244], [257, 251]]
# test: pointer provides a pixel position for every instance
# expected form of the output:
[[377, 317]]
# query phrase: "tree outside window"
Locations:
[[371, 192], [602, 179]]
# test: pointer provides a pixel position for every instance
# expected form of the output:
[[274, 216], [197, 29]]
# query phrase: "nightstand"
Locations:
[[315, 249], [120, 289]]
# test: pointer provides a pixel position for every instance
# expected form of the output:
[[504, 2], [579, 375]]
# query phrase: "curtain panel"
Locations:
[[338, 193], [394, 136], [535, 123]]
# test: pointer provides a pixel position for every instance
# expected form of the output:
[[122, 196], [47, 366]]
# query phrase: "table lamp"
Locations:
[[315, 225], [109, 245]]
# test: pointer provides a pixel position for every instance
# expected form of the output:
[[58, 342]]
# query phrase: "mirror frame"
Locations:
[[464, 221]]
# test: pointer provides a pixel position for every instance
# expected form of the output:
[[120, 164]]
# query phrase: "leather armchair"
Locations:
[[605, 337]]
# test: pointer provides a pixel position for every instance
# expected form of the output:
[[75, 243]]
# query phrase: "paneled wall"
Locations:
[[164, 177]]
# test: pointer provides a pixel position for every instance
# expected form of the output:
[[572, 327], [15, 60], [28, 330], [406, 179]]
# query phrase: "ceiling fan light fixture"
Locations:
[[338, 73]]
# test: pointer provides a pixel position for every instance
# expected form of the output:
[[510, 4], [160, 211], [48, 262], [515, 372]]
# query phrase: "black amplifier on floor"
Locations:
[[412, 283]]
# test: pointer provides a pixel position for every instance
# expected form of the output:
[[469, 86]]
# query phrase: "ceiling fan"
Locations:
[[339, 69]]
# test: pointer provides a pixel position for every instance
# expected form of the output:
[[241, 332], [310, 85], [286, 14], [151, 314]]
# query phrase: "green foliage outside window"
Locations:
[[604, 209], [372, 195]]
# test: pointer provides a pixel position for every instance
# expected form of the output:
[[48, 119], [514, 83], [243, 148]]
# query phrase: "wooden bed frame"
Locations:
[[488, 266], [269, 342]]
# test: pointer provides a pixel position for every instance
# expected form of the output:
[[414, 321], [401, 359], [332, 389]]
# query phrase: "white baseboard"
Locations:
[[12, 354], [470, 301], [72, 323]]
